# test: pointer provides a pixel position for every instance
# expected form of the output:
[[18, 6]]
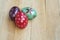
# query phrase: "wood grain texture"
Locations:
[[52, 18], [39, 23], [7, 27], [44, 27], [25, 33], [57, 31]]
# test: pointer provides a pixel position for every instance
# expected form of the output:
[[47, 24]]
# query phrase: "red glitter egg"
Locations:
[[21, 20]]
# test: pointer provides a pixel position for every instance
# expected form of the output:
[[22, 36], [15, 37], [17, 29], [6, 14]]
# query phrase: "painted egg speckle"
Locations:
[[21, 20]]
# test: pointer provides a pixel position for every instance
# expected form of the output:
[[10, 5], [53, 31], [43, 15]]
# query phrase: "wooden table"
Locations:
[[46, 26]]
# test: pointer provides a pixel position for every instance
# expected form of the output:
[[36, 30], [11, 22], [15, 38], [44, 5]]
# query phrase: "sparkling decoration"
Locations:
[[30, 12], [21, 17], [13, 11], [21, 20]]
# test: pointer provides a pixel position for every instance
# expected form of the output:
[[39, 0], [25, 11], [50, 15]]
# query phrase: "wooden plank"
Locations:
[[57, 31], [7, 27], [39, 23], [23, 34], [52, 18]]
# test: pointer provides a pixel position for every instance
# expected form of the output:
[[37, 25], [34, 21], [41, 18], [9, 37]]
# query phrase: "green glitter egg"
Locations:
[[30, 12]]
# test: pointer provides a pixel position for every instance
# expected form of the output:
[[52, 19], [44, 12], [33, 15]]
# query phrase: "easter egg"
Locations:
[[21, 20], [30, 12], [13, 11]]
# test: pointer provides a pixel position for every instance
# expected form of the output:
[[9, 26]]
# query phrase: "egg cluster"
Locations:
[[21, 17]]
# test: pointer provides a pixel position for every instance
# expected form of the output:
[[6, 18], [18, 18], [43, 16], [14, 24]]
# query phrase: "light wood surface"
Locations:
[[46, 26]]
